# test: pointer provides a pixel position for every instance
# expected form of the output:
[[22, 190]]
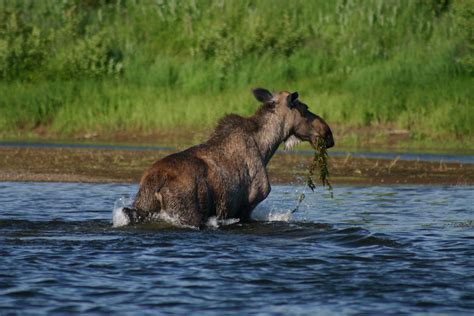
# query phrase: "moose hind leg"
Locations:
[[184, 204], [185, 211]]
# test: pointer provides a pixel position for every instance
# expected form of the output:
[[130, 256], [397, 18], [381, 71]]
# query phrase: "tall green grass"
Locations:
[[135, 66]]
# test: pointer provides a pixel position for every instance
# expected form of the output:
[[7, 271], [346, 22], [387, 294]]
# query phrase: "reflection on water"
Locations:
[[380, 250]]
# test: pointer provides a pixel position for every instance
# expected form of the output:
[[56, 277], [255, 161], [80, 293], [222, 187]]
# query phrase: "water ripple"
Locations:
[[378, 250]]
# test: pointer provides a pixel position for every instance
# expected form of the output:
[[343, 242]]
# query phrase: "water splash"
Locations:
[[214, 223], [268, 211], [119, 218], [282, 208], [172, 219]]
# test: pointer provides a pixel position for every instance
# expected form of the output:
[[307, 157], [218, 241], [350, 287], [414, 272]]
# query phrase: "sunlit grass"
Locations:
[[118, 66]]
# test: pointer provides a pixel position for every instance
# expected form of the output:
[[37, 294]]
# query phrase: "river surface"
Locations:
[[369, 250]]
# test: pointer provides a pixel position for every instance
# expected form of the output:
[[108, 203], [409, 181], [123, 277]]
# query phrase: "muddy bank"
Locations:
[[107, 165]]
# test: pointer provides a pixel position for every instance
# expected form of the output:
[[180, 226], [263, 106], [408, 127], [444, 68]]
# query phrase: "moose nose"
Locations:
[[329, 141]]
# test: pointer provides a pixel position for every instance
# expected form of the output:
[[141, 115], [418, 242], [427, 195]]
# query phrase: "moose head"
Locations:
[[301, 124]]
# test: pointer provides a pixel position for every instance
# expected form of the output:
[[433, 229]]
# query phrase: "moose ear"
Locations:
[[292, 98], [262, 95]]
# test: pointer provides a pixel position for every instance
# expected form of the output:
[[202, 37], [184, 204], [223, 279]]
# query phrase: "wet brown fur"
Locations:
[[225, 176]]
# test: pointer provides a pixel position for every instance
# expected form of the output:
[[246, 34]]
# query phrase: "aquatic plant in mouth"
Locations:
[[320, 161]]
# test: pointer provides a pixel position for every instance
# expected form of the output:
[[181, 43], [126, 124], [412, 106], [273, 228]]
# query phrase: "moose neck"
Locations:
[[271, 133]]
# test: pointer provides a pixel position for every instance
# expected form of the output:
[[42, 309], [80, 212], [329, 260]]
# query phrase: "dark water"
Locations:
[[370, 250]]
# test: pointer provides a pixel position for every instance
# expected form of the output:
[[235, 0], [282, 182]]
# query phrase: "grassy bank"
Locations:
[[138, 67]]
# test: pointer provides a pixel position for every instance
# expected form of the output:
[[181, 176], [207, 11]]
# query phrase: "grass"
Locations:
[[138, 67]]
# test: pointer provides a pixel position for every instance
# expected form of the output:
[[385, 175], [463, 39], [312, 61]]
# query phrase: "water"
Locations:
[[376, 250], [465, 158]]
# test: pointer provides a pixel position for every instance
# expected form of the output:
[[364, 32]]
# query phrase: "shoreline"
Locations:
[[89, 165], [383, 138]]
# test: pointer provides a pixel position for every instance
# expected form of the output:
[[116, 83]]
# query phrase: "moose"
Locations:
[[226, 176]]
